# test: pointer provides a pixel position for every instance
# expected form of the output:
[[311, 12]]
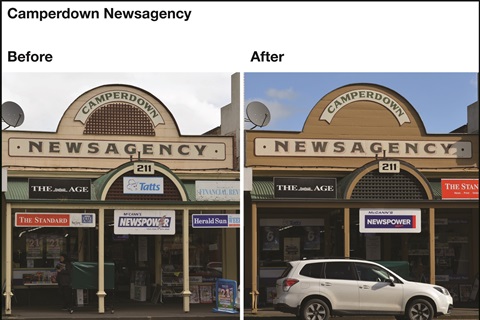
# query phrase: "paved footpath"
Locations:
[[152, 311]]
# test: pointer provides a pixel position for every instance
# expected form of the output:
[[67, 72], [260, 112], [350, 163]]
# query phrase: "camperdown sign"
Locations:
[[366, 95], [119, 96]]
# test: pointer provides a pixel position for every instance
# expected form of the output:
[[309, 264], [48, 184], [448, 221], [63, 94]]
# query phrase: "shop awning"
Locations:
[[264, 189]]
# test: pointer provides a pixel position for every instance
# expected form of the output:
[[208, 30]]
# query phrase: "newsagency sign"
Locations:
[[100, 149], [362, 148], [305, 188], [390, 221], [144, 222], [43, 219], [59, 188]]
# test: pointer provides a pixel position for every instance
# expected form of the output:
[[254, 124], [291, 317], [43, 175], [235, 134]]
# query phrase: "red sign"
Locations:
[[42, 219], [460, 189]]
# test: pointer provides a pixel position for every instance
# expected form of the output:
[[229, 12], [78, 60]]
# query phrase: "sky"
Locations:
[[441, 99], [194, 99], [188, 64]]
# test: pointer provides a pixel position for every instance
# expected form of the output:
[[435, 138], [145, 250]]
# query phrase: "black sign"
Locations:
[[59, 188], [305, 188]]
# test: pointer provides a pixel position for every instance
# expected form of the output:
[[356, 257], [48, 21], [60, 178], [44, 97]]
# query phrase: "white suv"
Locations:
[[317, 289]]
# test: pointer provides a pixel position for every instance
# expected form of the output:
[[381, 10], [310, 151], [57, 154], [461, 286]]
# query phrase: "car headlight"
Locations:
[[442, 290]]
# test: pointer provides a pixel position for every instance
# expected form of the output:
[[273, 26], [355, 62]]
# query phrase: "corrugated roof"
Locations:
[[190, 190], [436, 189], [17, 190], [262, 190]]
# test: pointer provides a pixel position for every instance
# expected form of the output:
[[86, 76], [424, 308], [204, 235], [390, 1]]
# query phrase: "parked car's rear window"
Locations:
[[313, 270], [340, 270], [286, 271]]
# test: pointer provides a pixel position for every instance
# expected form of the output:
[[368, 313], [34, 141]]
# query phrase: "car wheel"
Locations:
[[315, 309], [419, 309]]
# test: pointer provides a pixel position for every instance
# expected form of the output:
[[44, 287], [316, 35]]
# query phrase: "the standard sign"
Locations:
[[43, 219], [144, 222], [390, 221], [465, 189], [215, 221]]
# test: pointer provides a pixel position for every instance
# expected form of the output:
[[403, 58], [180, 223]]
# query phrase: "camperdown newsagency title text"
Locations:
[[119, 149], [361, 148], [108, 13]]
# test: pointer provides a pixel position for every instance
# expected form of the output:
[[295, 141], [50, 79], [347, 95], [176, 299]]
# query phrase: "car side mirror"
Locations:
[[391, 281]]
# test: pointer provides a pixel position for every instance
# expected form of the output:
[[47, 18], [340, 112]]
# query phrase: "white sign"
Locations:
[[217, 190], [144, 222], [143, 168], [362, 148], [142, 185], [390, 221], [389, 166]]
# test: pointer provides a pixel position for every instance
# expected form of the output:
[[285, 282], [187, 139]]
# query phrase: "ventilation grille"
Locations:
[[385, 186], [119, 119]]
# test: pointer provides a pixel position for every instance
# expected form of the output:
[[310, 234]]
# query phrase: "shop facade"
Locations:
[[363, 179], [117, 185]]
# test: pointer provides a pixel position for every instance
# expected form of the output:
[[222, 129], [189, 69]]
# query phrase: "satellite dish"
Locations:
[[258, 114], [12, 114]]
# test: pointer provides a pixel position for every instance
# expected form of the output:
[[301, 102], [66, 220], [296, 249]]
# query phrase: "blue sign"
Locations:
[[215, 220], [390, 220], [406, 222], [226, 296]]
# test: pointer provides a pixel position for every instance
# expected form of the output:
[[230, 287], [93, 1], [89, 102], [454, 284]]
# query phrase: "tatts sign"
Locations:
[[466, 189]]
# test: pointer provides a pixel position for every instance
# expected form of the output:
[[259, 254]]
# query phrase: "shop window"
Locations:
[[411, 247], [453, 238], [41, 247]]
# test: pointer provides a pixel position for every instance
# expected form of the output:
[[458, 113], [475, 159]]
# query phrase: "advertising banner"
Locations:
[[144, 222], [142, 185], [59, 188], [44, 219], [390, 220], [217, 190], [305, 188], [270, 239], [215, 221], [465, 189], [226, 291]]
